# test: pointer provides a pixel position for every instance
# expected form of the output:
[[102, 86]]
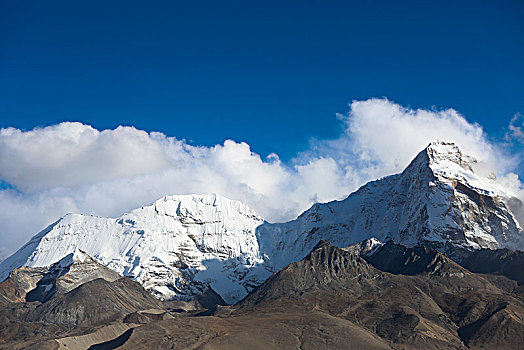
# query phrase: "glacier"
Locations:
[[175, 247]]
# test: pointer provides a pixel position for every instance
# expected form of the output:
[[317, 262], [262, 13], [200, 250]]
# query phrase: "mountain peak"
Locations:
[[196, 207], [78, 256], [438, 201], [203, 197], [174, 247], [322, 244], [443, 153], [448, 164], [399, 259]]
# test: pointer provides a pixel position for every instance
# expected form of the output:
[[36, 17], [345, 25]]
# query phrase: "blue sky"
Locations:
[[254, 88], [271, 73]]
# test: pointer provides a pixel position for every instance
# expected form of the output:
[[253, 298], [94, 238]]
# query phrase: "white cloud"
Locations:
[[516, 129], [71, 167], [71, 154], [385, 137]]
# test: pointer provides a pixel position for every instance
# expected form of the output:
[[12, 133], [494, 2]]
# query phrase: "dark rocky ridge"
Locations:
[[355, 297], [410, 297], [93, 303], [503, 262]]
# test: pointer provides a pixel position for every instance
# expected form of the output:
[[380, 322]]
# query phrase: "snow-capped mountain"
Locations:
[[180, 245], [438, 201], [174, 247]]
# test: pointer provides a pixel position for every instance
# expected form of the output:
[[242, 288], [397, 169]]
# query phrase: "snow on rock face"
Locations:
[[438, 200], [174, 247], [180, 245], [78, 257]]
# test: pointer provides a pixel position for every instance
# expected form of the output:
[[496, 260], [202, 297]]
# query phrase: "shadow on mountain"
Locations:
[[93, 303], [113, 344], [503, 262], [46, 287]]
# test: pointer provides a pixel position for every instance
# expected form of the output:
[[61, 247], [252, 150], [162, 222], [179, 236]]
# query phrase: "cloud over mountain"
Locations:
[[72, 167]]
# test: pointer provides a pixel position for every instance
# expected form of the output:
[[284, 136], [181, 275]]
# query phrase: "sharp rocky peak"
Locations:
[[441, 151], [438, 201], [443, 160], [399, 259]]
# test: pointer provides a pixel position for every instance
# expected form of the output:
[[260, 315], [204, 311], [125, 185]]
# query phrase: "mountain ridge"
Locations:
[[180, 246], [366, 296], [171, 247], [426, 301], [437, 200]]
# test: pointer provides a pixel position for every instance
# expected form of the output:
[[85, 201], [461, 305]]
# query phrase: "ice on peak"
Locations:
[[208, 198], [449, 164], [444, 147], [211, 205], [444, 163], [441, 153]]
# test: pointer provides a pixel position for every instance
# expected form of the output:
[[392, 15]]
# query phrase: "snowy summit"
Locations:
[[169, 246]]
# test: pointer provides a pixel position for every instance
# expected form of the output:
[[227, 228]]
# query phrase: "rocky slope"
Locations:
[[437, 201], [365, 296], [41, 283], [503, 262], [83, 310], [407, 297]]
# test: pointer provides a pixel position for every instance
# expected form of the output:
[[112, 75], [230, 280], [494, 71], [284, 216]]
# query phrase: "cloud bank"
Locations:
[[72, 167]]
